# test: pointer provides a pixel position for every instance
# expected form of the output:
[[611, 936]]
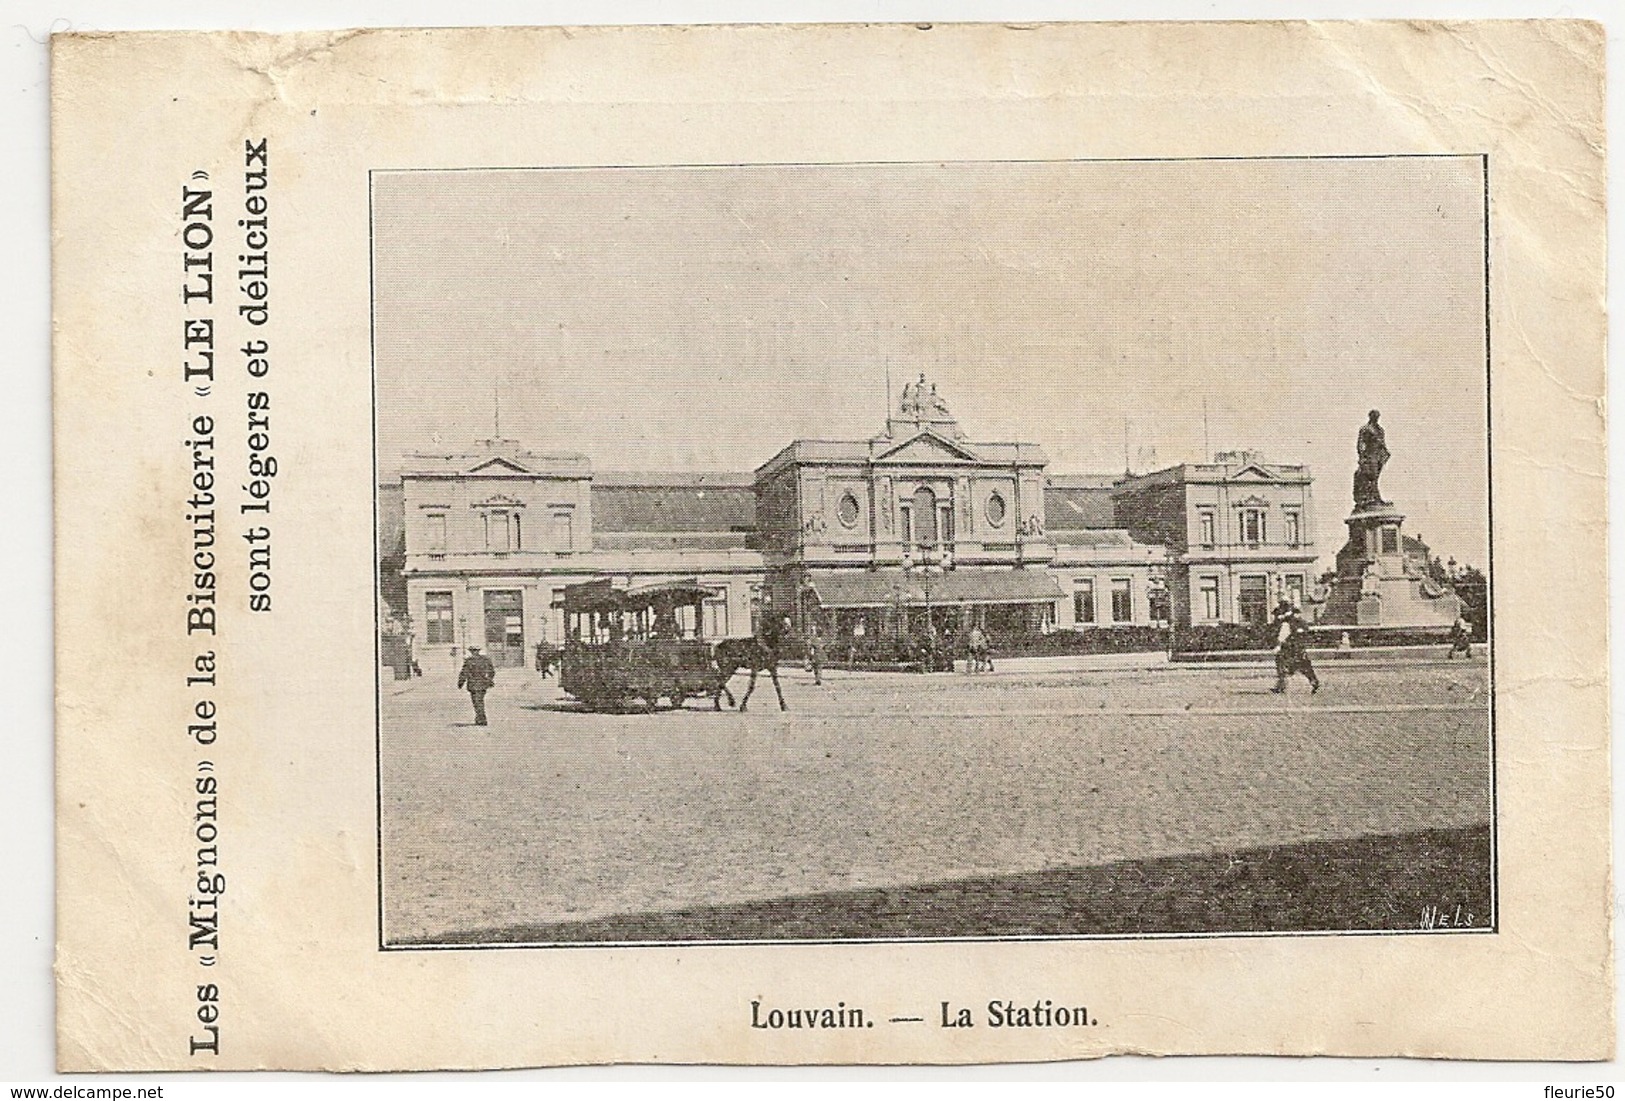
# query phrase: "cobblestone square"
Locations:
[[551, 817]]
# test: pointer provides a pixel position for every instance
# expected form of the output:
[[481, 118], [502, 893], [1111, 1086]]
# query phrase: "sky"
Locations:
[[700, 318]]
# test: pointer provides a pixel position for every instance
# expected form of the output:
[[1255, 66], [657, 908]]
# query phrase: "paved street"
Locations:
[[550, 815]]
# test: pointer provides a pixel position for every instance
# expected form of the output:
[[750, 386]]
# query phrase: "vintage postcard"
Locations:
[[830, 544]]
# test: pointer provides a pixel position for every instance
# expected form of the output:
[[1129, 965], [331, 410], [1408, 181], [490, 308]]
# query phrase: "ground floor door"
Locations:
[[505, 627], [1161, 606]]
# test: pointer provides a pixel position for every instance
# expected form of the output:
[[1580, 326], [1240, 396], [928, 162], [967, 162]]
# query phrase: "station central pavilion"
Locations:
[[918, 521]]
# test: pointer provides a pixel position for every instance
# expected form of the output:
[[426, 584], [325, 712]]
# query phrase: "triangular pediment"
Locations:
[[497, 465], [928, 447], [1252, 472]]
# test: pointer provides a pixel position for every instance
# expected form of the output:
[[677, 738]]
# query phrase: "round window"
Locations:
[[995, 509], [847, 511]]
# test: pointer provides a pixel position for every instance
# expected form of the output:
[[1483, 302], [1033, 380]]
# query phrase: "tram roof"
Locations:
[[603, 596], [686, 591]]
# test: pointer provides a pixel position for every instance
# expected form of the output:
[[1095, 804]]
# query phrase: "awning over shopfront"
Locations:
[[888, 588]]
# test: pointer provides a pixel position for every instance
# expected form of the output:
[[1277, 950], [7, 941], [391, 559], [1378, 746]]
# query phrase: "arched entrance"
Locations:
[[925, 517]]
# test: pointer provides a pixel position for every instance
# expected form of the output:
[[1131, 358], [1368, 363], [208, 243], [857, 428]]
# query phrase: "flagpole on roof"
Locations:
[[887, 420]]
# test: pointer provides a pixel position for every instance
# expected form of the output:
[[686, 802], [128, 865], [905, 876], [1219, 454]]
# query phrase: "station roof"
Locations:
[[665, 503], [1075, 507]]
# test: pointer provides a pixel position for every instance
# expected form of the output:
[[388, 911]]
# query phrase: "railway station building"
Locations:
[[916, 524]]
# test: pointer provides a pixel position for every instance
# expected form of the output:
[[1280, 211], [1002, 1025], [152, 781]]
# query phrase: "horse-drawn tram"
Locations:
[[642, 643]]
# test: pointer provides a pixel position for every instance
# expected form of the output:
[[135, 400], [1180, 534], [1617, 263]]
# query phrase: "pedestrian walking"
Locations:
[[477, 675], [929, 657], [815, 652], [1461, 639], [1292, 649], [981, 660], [858, 631]]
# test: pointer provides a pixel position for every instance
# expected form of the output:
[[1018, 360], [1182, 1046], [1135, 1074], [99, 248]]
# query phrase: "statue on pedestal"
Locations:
[[1381, 583], [1372, 447]]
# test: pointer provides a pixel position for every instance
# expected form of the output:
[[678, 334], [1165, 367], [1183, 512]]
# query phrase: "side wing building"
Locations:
[[1236, 532]]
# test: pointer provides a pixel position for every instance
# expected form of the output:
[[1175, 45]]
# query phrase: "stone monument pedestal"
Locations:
[[1378, 584]]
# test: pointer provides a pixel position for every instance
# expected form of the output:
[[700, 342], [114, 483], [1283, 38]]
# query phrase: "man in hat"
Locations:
[[1292, 647], [477, 675]]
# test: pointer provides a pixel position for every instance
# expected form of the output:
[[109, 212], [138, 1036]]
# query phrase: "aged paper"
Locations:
[[1145, 479]]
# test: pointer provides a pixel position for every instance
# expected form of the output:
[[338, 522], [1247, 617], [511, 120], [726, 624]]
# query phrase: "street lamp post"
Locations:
[[897, 616], [1161, 599], [933, 563]]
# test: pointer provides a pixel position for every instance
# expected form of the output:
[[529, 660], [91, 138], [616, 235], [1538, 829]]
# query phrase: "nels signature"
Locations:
[[1459, 917]]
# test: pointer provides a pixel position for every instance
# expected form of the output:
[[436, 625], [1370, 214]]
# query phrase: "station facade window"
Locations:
[[1083, 601]]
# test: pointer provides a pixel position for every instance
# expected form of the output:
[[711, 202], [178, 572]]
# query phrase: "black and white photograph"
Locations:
[[843, 545], [948, 550]]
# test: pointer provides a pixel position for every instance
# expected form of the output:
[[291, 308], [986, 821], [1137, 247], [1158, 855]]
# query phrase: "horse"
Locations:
[[734, 654]]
